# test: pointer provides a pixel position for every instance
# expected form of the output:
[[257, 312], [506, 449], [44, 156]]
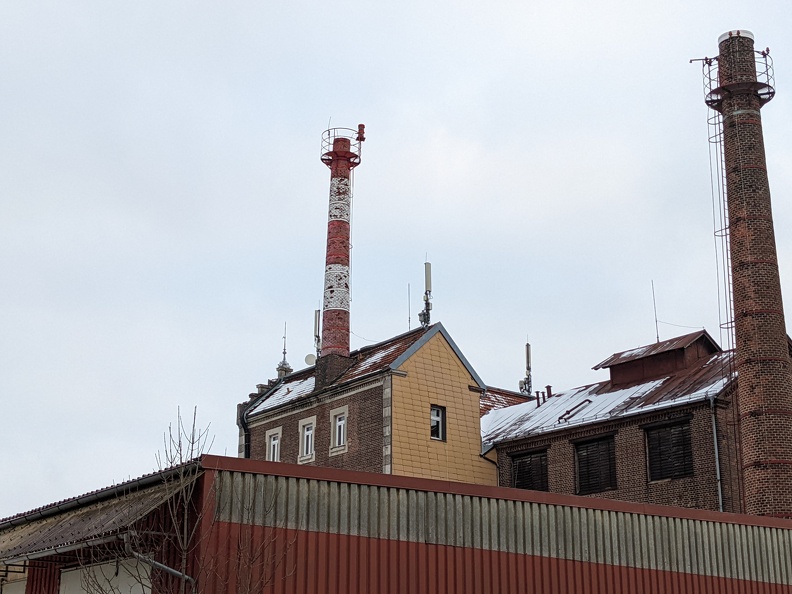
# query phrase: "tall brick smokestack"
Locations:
[[341, 153], [764, 380]]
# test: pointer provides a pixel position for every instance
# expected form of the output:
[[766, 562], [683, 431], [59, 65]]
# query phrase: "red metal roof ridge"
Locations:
[[418, 330], [362, 351], [678, 342], [510, 392]]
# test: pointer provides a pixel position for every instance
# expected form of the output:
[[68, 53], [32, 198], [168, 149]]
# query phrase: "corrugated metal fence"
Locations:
[[334, 535]]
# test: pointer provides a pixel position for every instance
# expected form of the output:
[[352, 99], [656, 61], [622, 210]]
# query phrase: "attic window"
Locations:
[[437, 422]]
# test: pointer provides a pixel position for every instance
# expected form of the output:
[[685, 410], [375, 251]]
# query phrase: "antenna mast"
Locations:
[[424, 316], [654, 302], [317, 334], [526, 384], [409, 309]]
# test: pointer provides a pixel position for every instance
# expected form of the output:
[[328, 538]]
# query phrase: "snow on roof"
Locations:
[[494, 398], [366, 360], [597, 402], [286, 392]]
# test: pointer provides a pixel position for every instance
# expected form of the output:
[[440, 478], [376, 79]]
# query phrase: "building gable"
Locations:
[[435, 382]]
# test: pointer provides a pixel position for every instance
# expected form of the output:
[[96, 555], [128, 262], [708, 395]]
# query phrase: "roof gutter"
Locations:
[[60, 550], [717, 453]]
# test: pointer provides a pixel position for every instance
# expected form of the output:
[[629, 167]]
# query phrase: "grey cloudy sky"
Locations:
[[163, 207]]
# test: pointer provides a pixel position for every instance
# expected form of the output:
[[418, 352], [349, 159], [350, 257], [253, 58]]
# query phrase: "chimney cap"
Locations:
[[736, 33]]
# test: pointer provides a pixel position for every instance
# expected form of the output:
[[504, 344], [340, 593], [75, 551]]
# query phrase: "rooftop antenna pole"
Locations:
[[654, 302], [317, 334], [526, 384], [425, 315], [409, 309]]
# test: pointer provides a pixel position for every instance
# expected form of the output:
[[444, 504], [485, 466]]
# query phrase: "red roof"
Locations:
[[367, 360], [705, 378], [494, 398], [672, 344]]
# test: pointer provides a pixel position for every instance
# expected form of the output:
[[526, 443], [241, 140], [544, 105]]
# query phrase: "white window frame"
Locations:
[[442, 417], [278, 434], [307, 425], [336, 446]]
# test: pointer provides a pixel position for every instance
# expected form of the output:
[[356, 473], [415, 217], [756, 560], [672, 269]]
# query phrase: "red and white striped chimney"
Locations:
[[341, 153]]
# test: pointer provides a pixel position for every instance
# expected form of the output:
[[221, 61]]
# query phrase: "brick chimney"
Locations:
[[764, 382], [341, 153]]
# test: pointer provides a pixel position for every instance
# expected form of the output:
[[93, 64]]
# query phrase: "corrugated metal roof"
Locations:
[[83, 524], [152, 478], [601, 401], [680, 342], [495, 398]]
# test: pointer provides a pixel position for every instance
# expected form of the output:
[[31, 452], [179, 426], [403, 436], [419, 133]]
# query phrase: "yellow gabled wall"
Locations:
[[435, 375]]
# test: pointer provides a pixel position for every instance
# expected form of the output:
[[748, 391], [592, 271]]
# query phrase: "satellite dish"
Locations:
[[310, 359]]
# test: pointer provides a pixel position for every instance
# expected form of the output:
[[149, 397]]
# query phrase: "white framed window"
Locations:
[[339, 423], [437, 422], [273, 438], [307, 430]]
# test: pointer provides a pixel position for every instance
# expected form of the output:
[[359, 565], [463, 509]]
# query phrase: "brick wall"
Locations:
[[699, 490], [364, 431], [765, 386]]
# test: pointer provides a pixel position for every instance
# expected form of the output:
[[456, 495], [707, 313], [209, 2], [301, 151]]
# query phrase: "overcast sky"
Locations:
[[163, 207]]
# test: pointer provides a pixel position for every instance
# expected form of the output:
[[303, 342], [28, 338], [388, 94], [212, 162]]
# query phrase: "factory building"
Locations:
[[681, 422]]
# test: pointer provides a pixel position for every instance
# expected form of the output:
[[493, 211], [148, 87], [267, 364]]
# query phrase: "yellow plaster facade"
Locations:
[[435, 375]]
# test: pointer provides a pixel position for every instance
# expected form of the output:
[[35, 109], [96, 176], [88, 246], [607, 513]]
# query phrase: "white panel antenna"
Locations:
[[425, 315], [317, 333], [526, 384]]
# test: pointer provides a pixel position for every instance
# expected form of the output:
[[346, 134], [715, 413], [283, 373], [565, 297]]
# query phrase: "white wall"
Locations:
[[123, 578], [15, 587]]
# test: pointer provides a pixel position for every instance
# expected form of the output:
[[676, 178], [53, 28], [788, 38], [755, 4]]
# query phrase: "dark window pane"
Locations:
[[670, 452], [530, 471], [596, 465]]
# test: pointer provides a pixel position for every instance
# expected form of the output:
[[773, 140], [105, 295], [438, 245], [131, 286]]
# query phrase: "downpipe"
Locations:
[[157, 564], [717, 453]]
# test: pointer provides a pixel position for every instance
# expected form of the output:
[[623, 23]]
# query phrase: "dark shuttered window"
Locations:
[[596, 465], [530, 471], [669, 451]]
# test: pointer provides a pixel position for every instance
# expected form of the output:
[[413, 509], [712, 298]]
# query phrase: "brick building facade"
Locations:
[[647, 435], [408, 406], [671, 426]]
